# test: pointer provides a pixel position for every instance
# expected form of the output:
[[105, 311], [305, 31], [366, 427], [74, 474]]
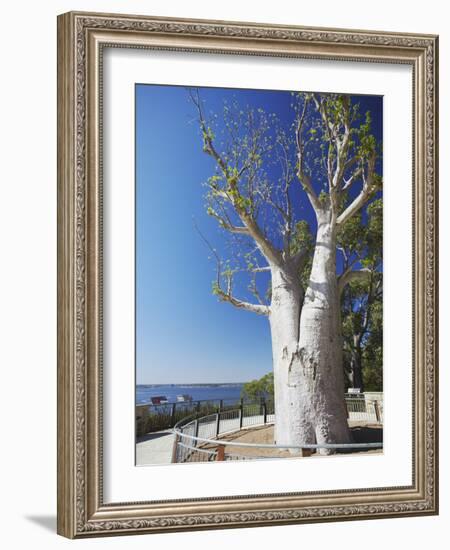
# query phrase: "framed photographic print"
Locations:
[[247, 284]]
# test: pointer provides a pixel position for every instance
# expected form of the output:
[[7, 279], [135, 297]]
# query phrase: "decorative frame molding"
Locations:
[[81, 37]]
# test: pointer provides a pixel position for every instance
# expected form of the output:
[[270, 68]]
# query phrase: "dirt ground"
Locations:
[[264, 434]]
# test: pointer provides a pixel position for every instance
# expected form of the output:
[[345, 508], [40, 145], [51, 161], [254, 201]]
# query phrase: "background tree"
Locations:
[[264, 171], [256, 390], [361, 299], [373, 351]]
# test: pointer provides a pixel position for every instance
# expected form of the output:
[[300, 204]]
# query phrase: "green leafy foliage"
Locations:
[[364, 240], [362, 300], [372, 355], [259, 389]]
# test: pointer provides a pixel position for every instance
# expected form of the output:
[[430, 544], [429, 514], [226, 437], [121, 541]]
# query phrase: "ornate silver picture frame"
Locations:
[[83, 39]]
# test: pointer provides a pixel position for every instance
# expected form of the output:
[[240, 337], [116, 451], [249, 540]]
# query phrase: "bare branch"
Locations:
[[304, 179], [349, 182], [351, 161], [344, 253], [208, 142], [267, 249], [320, 106], [255, 308], [349, 276], [342, 145], [226, 296], [338, 143], [232, 193], [237, 230], [366, 192], [253, 287], [225, 223], [331, 135]]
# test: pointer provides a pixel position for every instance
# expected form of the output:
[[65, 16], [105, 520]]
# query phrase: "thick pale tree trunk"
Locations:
[[319, 372], [285, 325], [307, 351]]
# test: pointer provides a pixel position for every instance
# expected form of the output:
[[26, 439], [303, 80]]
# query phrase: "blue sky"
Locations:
[[183, 333]]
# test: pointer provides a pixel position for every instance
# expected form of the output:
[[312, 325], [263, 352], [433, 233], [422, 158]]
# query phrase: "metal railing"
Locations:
[[196, 437], [152, 418], [360, 408]]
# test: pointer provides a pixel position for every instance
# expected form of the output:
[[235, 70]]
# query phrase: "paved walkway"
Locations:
[[155, 448]]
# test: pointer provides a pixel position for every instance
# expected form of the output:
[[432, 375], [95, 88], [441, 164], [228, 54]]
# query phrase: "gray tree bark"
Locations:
[[307, 350]]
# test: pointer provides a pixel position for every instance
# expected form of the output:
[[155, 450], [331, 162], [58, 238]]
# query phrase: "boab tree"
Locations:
[[264, 171]]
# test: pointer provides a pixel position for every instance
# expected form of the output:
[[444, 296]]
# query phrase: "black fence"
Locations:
[[152, 418]]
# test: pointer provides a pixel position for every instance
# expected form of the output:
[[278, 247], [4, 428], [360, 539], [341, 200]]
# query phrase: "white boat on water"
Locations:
[[184, 398]]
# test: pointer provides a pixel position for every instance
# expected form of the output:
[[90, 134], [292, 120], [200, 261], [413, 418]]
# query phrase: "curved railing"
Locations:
[[151, 418], [197, 438]]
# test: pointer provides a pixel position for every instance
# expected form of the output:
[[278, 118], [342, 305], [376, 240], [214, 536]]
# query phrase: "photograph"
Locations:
[[258, 274]]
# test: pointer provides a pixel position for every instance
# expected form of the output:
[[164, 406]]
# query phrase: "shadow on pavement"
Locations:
[[150, 437]]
